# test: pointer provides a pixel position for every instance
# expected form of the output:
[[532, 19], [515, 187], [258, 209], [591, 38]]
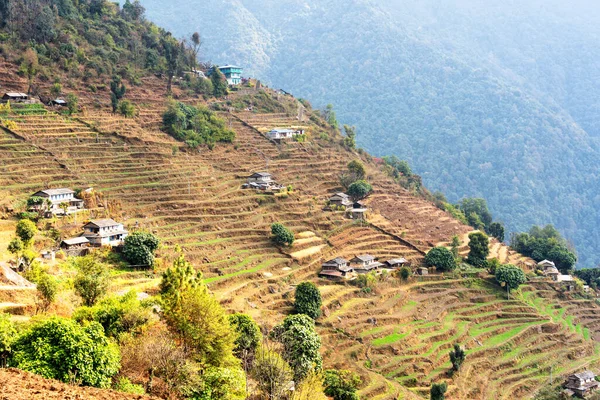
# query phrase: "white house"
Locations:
[[279, 134], [340, 200], [104, 232], [260, 177], [58, 197], [336, 269]]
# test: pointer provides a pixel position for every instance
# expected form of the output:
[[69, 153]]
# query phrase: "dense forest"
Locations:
[[483, 98]]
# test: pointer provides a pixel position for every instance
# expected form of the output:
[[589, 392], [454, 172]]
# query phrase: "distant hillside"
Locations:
[[481, 99]]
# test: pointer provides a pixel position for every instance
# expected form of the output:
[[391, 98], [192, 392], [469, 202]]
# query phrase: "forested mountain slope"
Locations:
[[489, 99]]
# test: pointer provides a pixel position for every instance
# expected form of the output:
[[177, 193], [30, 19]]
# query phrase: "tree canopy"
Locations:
[[510, 275], [479, 249], [545, 243], [441, 258], [139, 249], [308, 300]]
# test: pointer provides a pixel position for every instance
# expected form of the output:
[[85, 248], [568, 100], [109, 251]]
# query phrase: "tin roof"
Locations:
[[53, 192]]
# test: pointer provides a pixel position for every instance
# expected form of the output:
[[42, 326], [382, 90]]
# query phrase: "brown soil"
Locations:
[[20, 385]]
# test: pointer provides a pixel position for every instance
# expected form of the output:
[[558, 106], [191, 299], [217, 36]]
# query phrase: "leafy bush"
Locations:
[[341, 384], [139, 248], [438, 391], [117, 314], [545, 243], [308, 300], [59, 348], [441, 258], [8, 334], [127, 109], [195, 125], [26, 230], [457, 357], [124, 385], [405, 273], [282, 236]]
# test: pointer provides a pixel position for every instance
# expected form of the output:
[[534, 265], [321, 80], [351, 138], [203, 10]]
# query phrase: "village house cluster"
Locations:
[[355, 209], [263, 181], [341, 269]]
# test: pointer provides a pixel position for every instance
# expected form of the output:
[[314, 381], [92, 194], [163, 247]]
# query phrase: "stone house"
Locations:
[[581, 384], [364, 264], [337, 268], [340, 200]]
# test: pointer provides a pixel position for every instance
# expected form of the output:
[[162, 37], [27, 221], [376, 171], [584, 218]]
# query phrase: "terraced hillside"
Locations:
[[397, 338]]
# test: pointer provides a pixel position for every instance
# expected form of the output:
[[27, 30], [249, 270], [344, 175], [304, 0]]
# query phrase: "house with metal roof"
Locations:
[[54, 198], [581, 384], [281, 134], [364, 264], [104, 232], [341, 200], [396, 263], [260, 177], [15, 97], [337, 268], [546, 264]]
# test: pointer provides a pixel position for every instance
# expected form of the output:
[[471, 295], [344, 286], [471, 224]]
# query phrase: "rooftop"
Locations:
[[364, 258], [336, 261], [102, 223], [54, 192], [76, 241]]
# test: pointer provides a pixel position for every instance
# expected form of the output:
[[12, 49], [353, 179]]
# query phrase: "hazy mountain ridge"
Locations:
[[478, 108]]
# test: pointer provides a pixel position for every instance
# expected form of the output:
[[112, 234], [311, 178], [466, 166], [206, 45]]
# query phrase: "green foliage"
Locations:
[[124, 385], [350, 138], [456, 213], [457, 357], [127, 109], [367, 282], [61, 349], [72, 104], [454, 246], [301, 344], [139, 249], [25, 231], [329, 116], [196, 316], [479, 249], [195, 125], [117, 91], [441, 258], [47, 288], [357, 168], [219, 383], [496, 229], [477, 212], [545, 243], [248, 335], [116, 314], [405, 273], [91, 281], [510, 275], [8, 334], [341, 384], [359, 190], [308, 300], [438, 391], [219, 83], [282, 236], [15, 246], [493, 265]]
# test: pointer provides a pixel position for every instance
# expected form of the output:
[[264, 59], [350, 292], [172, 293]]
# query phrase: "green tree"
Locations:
[[25, 231], [330, 117], [479, 209], [172, 52], [457, 357], [441, 258], [341, 384], [248, 337], [72, 104], [15, 246], [357, 169], [454, 246], [47, 288], [272, 374], [219, 383], [405, 273], [139, 248], [219, 82], [438, 391], [496, 229], [350, 138], [308, 300], [8, 333], [301, 344], [282, 236], [359, 190], [197, 317], [117, 91], [479, 249], [91, 281], [56, 89], [511, 276], [59, 348]]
